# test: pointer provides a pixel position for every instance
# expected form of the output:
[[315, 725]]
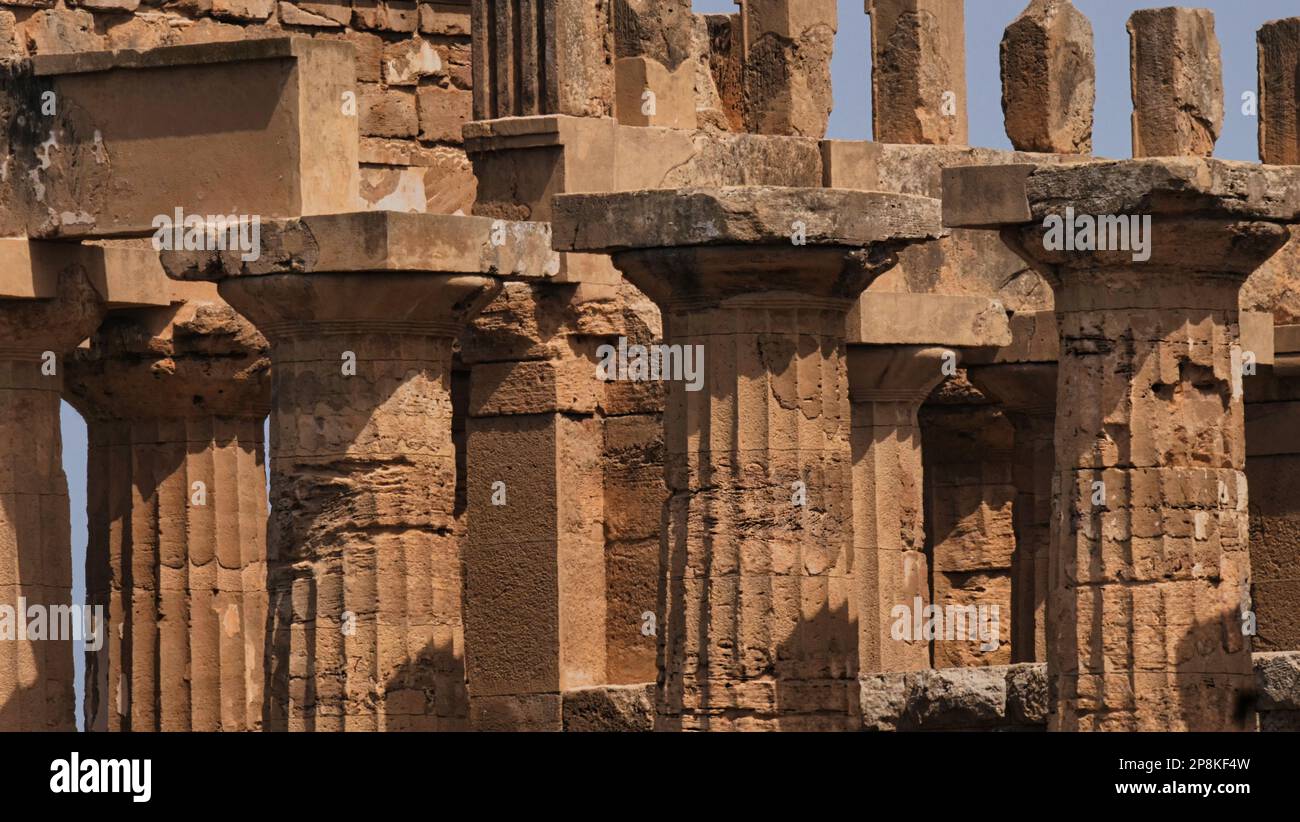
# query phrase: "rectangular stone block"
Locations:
[[918, 71], [882, 318], [262, 127]]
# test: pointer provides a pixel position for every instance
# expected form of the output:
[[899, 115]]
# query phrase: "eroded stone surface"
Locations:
[[1177, 79], [918, 71], [1049, 79]]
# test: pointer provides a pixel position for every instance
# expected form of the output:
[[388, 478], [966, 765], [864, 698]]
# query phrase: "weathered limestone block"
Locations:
[[887, 385], [175, 399], [1279, 94], [1149, 565], [1049, 82], [757, 616], [918, 71], [621, 708], [1027, 395], [656, 66], [995, 698], [362, 311], [786, 66], [1177, 79], [36, 672], [269, 116], [543, 57]]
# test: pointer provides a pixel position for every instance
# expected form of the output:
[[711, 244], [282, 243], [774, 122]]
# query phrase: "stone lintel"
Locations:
[[382, 241], [929, 319], [740, 216], [124, 277], [534, 131], [270, 118]]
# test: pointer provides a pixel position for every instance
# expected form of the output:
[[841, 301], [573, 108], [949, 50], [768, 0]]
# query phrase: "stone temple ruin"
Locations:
[[969, 446]]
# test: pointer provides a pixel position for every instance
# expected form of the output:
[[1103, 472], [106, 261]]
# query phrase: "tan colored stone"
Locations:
[[786, 71], [759, 608], [443, 113], [1279, 95], [364, 567], [918, 71], [1049, 79], [175, 399], [407, 62], [387, 112], [286, 148], [550, 57], [36, 674], [1177, 79]]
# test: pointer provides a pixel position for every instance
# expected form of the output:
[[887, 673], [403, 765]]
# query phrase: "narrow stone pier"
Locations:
[[887, 385], [758, 610], [36, 667], [175, 399], [361, 310], [1149, 545]]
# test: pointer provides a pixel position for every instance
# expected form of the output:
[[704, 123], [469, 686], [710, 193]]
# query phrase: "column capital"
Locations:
[[896, 373], [194, 358], [374, 272], [701, 246], [1126, 224]]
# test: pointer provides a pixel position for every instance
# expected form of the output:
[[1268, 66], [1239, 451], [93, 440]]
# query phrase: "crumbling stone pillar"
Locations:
[[1279, 93], [756, 622], [1149, 545], [887, 385], [364, 574], [918, 71], [1049, 79], [36, 672], [542, 57], [658, 65], [175, 399], [1177, 79], [1027, 395], [786, 66]]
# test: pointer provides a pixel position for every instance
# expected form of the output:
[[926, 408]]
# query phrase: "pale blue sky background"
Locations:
[[1236, 23]]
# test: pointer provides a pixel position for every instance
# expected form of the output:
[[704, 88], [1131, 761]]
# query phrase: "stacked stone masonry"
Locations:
[[605, 393]]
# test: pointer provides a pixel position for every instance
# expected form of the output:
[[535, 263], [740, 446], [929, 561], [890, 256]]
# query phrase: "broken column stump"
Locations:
[[918, 71], [758, 610], [1149, 553], [1177, 78], [175, 399], [36, 660], [1049, 79], [361, 311]]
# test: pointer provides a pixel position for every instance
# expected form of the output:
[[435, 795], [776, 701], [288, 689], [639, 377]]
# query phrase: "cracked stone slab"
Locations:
[[387, 241], [755, 215]]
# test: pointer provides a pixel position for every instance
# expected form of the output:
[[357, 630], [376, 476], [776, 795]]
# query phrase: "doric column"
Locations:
[[175, 399], [757, 619], [1149, 542], [364, 571], [36, 671], [887, 385], [1027, 394]]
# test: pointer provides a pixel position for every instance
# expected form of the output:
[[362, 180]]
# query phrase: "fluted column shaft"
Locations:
[[36, 663], [887, 385], [175, 399]]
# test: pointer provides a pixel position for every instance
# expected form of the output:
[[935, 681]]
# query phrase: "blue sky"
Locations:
[[1236, 23]]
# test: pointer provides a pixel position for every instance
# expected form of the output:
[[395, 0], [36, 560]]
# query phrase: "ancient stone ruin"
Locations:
[[605, 393]]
